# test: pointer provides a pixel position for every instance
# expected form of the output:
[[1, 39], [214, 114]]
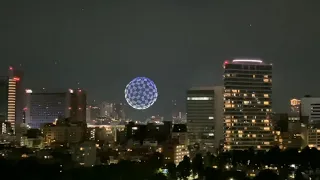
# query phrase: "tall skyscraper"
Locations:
[[16, 101], [248, 104], [201, 112]]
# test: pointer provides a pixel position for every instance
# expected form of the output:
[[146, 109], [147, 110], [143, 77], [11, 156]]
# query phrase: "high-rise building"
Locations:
[[248, 105], [47, 107], [201, 113], [78, 104], [15, 98]]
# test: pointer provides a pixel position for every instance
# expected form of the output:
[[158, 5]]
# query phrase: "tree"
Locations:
[[266, 175], [159, 176], [184, 168], [197, 165], [156, 161], [172, 170]]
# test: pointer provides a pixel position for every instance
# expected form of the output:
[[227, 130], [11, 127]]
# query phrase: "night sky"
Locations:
[[177, 43]]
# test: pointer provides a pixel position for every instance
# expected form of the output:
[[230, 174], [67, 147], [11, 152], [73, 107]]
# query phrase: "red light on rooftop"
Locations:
[[25, 109], [10, 68], [16, 78], [225, 63]]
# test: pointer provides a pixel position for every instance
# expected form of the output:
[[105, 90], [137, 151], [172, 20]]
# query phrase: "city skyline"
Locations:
[[178, 45]]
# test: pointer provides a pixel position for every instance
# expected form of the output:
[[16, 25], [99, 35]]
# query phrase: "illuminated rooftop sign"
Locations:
[[248, 60]]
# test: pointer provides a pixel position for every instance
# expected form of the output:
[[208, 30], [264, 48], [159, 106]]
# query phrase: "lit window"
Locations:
[[246, 102], [266, 95], [265, 76], [267, 143], [199, 98], [210, 117], [254, 76], [253, 135], [265, 80], [266, 128], [266, 102]]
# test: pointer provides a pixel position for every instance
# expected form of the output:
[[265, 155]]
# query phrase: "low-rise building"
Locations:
[[64, 132]]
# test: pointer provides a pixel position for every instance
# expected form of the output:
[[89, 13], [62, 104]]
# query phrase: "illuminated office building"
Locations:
[[203, 116], [47, 107], [247, 105]]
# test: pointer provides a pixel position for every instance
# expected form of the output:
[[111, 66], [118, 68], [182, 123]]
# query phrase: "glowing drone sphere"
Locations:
[[141, 93]]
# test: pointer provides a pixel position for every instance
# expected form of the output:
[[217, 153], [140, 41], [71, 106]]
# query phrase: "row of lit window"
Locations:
[[253, 121], [254, 76], [241, 132]]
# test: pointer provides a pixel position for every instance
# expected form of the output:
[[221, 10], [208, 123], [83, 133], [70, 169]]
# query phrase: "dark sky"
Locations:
[[177, 43]]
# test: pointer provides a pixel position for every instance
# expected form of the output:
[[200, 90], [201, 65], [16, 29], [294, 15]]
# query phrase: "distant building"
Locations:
[[179, 132], [174, 152], [140, 132], [93, 113], [205, 116], [47, 107], [12, 98], [295, 105], [64, 131], [78, 104], [106, 109], [32, 139], [248, 104], [310, 109]]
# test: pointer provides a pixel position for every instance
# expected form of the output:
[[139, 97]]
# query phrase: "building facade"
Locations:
[[43, 108], [247, 105], [310, 110], [47, 107], [200, 117]]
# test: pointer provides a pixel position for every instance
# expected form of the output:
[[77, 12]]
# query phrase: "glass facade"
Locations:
[[200, 117], [247, 105]]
